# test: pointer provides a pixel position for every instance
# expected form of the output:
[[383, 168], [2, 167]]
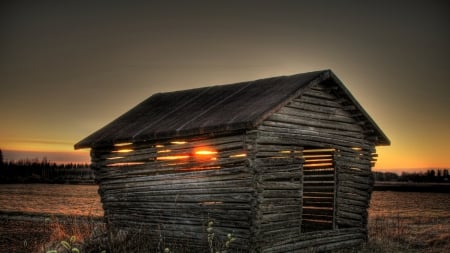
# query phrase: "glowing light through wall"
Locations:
[[115, 158], [125, 164], [178, 142], [164, 151], [172, 157], [200, 168], [123, 144], [238, 155], [205, 153], [126, 150]]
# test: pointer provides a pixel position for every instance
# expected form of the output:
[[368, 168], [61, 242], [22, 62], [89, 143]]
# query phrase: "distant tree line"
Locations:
[[43, 171], [431, 175]]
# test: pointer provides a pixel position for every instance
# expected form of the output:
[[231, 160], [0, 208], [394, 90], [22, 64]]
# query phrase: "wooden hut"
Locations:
[[283, 164]]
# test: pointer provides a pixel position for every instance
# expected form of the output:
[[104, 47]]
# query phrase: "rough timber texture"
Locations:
[[167, 191], [284, 164], [318, 119]]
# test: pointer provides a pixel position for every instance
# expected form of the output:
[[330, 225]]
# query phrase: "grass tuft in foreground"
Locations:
[[386, 234], [406, 235]]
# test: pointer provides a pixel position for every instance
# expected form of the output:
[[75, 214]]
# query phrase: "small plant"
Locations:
[[66, 246], [215, 247], [229, 240], [210, 231]]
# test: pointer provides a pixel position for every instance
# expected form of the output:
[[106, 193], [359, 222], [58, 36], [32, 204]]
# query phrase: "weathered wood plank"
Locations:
[[296, 113], [316, 123]]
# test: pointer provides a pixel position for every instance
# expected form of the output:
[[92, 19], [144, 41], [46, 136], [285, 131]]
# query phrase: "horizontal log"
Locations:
[[319, 94], [355, 185], [316, 141], [155, 170], [334, 125], [319, 101], [353, 196], [353, 171], [109, 205], [354, 139], [112, 189], [349, 215], [294, 112], [351, 190], [281, 201], [280, 193], [143, 191], [181, 211], [309, 241], [181, 178], [357, 178], [342, 200], [99, 154], [194, 221], [180, 198], [358, 210], [271, 208], [288, 235], [276, 217], [337, 141], [184, 231], [281, 185], [278, 176], [339, 245], [358, 162], [278, 147], [311, 108]]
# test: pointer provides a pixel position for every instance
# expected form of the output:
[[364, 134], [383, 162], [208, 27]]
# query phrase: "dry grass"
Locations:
[[406, 235], [386, 234], [33, 233], [79, 232]]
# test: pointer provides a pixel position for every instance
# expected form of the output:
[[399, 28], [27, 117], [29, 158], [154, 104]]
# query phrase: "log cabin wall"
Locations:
[[277, 182], [319, 121], [171, 189]]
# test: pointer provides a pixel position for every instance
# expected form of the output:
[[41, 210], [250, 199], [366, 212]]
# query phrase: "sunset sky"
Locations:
[[68, 68]]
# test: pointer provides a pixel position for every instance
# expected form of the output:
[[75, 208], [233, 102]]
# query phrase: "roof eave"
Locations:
[[381, 138]]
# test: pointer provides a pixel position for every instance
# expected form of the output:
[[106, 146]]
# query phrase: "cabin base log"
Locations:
[[318, 241]]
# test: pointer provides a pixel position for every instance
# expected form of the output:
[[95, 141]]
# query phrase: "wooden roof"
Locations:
[[212, 109]]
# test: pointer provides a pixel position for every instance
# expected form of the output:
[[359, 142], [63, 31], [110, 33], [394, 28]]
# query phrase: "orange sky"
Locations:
[[67, 69]]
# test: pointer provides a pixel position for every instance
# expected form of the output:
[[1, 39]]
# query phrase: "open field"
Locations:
[[398, 221], [24, 232], [20, 233]]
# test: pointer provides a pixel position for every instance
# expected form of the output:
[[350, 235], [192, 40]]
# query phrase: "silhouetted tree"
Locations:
[[43, 171], [1, 158]]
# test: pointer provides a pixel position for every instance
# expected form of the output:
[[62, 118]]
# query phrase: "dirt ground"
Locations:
[[22, 235], [35, 233]]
